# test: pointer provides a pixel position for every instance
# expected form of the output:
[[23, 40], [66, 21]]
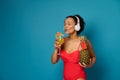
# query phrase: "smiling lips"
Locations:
[[67, 29]]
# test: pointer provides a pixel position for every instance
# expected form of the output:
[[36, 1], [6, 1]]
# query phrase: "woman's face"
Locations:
[[69, 25]]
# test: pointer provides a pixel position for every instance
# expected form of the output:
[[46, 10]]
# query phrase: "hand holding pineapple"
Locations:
[[85, 59]]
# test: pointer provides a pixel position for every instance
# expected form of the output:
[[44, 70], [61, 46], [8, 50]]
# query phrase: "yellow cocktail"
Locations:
[[59, 38]]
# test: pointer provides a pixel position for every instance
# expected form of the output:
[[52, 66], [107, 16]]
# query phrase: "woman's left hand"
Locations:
[[86, 66]]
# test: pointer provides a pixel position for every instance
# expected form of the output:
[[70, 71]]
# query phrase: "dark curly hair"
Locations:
[[82, 23]]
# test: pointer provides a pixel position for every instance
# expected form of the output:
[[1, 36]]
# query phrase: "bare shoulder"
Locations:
[[83, 38]]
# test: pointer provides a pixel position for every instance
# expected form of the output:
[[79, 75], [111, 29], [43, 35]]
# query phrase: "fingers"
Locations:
[[80, 64], [57, 45], [83, 65], [86, 66], [90, 61]]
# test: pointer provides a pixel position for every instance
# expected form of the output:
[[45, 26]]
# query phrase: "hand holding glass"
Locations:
[[60, 39]]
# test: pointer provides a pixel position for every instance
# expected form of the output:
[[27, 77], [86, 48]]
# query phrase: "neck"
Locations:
[[73, 35]]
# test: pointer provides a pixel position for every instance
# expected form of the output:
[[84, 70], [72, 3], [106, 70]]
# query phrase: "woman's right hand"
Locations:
[[55, 54], [57, 45]]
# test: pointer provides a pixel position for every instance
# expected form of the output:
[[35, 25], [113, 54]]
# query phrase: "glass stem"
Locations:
[[59, 51]]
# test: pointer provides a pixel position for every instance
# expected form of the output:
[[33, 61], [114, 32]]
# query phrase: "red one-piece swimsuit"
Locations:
[[72, 68]]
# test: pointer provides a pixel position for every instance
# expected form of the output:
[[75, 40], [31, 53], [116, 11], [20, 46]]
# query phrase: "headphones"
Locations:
[[77, 26]]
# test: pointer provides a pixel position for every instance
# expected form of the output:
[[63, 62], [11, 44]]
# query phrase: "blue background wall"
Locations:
[[27, 34]]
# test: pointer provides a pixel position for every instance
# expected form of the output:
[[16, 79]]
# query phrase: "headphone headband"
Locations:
[[77, 19]]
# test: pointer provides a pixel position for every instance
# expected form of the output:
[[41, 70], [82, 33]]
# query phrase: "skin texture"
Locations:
[[71, 44]]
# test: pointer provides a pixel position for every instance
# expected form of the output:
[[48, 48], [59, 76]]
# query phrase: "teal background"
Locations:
[[27, 34]]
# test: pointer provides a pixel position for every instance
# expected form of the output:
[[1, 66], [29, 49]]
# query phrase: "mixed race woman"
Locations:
[[70, 50]]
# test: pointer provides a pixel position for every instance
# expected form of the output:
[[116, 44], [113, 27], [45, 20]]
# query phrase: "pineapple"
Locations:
[[84, 53]]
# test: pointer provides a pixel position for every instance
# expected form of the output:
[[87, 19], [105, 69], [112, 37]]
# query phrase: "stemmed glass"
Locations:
[[60, 39]]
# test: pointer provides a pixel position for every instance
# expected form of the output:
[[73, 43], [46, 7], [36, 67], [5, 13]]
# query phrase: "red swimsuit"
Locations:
[[72, 68]]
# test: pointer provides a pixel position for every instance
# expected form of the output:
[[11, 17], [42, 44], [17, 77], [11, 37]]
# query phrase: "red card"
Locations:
[[83, 45]]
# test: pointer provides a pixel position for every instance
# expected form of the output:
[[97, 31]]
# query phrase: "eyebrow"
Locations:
[[68, 22]]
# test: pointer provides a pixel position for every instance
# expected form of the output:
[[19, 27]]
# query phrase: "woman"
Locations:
[[70, 50]]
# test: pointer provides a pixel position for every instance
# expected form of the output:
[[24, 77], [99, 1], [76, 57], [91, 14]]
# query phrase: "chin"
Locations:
[[68, 32]]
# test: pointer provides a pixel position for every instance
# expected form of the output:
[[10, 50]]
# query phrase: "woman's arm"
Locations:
[[55, 57], [92, 54]]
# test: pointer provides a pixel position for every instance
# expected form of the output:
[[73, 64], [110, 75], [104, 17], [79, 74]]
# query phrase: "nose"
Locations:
[[65, 26]]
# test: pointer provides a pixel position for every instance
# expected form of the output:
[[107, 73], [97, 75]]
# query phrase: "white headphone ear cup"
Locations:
[[77, 27]]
